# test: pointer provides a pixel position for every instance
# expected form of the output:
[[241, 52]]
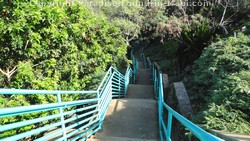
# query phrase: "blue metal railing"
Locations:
[[135, 65], [166, 129], [73, 120]]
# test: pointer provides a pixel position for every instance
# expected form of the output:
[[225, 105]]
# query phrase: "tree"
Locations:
[[193, 23], [53, 47], [155, 20], [124, 14], [56, 39]]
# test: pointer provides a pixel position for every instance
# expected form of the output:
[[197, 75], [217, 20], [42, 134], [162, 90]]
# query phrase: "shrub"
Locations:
[[69, 43], [195, 36], [165, 56], [193, 32], [53, 47], [221, 81]]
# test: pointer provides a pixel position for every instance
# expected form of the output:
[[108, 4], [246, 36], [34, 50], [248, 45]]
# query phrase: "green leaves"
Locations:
[[56, 39], [125, 14], [221, 78], [226, 119], [53, 48]]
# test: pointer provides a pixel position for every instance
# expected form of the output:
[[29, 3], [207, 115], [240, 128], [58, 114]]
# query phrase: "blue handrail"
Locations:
[[166, 129], [70, 120]]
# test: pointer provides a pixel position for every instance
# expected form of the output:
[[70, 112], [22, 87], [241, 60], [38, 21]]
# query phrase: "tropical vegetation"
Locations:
[[206, 47], [53, 48], [68, 45]]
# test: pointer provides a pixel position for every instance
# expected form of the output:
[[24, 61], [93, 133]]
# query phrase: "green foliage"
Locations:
[[125, 14], [53, 47], [222, 118], [193, 26], [67, 44], [154, 21], [221, 80], [194, 33], [165, 56], [246, 25]]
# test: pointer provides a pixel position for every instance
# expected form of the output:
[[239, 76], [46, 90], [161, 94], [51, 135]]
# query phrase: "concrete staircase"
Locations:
[[133, 118]]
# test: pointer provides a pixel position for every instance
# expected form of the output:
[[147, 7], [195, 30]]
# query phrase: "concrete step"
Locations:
[[141, 66], [231, 136], [144, 77], [119, 139], [131, 118], [137, 91]]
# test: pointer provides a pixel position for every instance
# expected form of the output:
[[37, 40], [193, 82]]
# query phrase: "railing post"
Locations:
[[125, 85], [160, 103], [119, 85], [99, 107], [169, 128], [134, 68], [159, 118], [153, 71], [59, 100], [155, 83], [158, 82]]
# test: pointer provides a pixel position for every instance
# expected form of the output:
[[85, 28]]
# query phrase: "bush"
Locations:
[[193, 32], [69, 44], [164, 55], [221, 81], [53, 48], [195, 36]]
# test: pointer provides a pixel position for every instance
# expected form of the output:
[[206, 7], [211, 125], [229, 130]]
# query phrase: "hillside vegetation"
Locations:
[[221, 80], [66, 45], [53, 48], [207, 48]]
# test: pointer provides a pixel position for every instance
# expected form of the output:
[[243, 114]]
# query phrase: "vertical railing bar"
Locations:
[[99, 108], [125, 85], [119, 85], [159, 114], [169, 129], [160, 111], [59, 100]]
